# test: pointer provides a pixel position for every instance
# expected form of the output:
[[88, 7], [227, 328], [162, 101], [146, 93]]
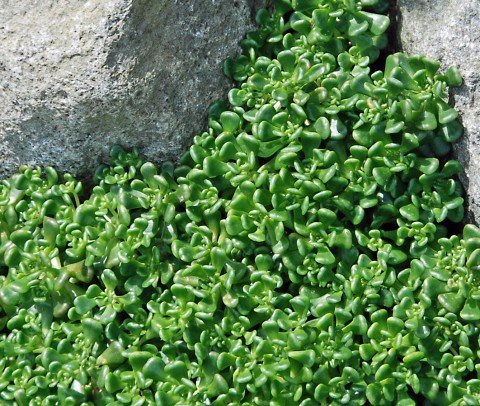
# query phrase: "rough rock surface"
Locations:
[[79, 77], [449, 31]]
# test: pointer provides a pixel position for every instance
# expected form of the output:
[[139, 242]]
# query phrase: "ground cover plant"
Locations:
[[306, 251]]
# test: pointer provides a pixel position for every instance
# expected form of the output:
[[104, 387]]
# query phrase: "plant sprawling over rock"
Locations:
[[302, 253]]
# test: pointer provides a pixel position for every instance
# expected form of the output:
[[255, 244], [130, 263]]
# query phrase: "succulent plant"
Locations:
[[305, 251]]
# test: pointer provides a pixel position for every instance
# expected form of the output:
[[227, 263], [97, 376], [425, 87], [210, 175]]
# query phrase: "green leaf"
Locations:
[[410, 212], [453, 77], [471, 231], [113, 383], [451, 131], [219, 258], [305, 357], [266, 131], [112, 356], [214, 167], [257, 81], [426, 121], [326, 216], [225, 360], [217, 386], [452, 168], [358, 83], [154, 369], [396, 257], [471, 244], [265, 114], [446, 114], [176, 370], [257, 236], [344, 239], [338, 129], [280, 94], [12, 256], [242, 375], [269, 148], [473, 261], [85, 215], [304, 5], [9, 296], [429, 388], [396, 86], [383, 372], [287, 60], [237, 97], [300, 22], [378, 23], [148, 170], [20, 181], [471, 310], [356, 27], [315, 72], [20, 237], [374, 393], [233, 225], [382, 175], [454, 203], [394, 126], [324, 256], [322, 127], [427, 165], [344, 61], [83, 304], [92, 329], [453, 302], [109, 279], [413, 357], [363, 137]]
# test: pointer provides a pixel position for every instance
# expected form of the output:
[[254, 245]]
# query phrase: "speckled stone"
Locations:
[[79, 77]]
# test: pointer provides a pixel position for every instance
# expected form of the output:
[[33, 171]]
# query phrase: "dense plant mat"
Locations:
[[304, 252]]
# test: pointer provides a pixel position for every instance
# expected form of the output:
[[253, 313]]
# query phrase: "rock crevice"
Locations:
[[449, 31]]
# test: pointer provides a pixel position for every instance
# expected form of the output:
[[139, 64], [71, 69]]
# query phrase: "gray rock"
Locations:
[[79, 77], [449, 31]]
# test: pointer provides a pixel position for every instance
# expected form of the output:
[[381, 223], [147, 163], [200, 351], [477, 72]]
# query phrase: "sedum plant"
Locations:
[[307, 250]]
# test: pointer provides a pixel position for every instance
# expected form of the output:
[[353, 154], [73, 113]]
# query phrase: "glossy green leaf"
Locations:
[[378, 23], [214, 167], [84, 304], [410, 212], [324, 256], [446, 114], [113, 383], [427, 121], [451, 131], [12, 256], [305, 357], [154, 369], [237, 97], [177, 370], [218, 386], [453, 77], [474, 259], [453, 302], [287, 60], [112, 355], [471, 310], [427, 165], [394, 127]]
